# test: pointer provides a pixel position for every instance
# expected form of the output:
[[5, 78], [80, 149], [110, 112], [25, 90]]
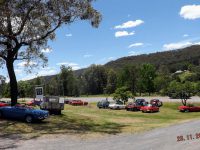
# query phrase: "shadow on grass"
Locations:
[[59, 125], [72, 124]]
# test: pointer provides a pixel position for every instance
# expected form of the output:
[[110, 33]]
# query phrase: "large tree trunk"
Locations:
[[13, 82]]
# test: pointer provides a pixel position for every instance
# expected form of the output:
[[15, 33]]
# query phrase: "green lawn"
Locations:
[[89, 120]]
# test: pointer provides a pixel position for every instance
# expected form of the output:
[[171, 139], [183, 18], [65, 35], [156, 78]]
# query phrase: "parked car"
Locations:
[[118, 105], [133, 107], [78, 103], [189, 108], [23, 113], [53, 104], [103, 104], [136, 105], [156, 102], [3, 104], [150, 108], [34, 102], [141, 102], [67, 101]]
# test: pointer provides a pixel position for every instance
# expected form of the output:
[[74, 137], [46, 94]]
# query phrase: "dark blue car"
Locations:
[[23, 113]]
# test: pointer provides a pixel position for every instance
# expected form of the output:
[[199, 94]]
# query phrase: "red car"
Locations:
[[3, 104], [150, 108], [78, 103], [34, 102], [156, 102], [133, 107], [189, 108]]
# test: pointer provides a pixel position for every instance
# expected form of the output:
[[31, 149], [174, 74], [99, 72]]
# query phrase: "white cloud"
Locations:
[[190, 12], [43, 72], [18, 71], [87, 56], [111, 58], [24, 63], [46, 71], [73, 65], [132, 53], [123, 33], [46, 50], [135, 45], [185, 35], [179, 45], [28, 77], [68, 35], [129, 24], [197, 43]]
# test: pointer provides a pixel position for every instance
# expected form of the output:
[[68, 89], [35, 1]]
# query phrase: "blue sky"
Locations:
[[129, 27]]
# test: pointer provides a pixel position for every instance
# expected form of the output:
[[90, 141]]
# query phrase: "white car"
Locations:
[[117, 106]]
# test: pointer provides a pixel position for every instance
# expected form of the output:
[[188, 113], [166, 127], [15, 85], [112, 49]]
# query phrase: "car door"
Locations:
[[18, 112]]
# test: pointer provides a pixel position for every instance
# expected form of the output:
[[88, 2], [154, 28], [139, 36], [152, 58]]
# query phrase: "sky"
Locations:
[[128, 28]]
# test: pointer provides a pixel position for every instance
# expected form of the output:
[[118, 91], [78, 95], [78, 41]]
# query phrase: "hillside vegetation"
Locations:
[[160, 73], [174, 60]]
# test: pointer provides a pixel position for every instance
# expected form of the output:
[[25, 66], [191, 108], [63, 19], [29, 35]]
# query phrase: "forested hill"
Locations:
[[172, 59]]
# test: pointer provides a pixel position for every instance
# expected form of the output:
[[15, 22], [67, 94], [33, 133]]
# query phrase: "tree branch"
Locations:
[[26, 18], [49, 32]]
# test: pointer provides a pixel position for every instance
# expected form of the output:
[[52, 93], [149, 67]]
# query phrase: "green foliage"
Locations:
[[111, 82], [26, 89], [161, 83], [68, 81], [127, 77], [170, 60], [147, 74], [122, 94], [95, 79]]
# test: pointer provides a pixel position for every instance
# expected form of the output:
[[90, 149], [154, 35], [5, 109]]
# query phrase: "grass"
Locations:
[[89, 120]]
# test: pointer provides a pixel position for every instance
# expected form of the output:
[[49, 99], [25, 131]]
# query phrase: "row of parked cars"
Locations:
[[137, 105]]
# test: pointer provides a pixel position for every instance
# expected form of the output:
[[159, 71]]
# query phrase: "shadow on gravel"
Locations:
[[11, 132], [9, 141]]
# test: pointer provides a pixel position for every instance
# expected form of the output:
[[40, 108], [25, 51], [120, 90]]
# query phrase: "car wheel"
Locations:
[[29, 119], [186, 110], [1, 114]]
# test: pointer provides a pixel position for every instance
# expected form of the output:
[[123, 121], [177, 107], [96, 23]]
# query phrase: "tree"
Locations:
[[111, 82], [127, 77], [67, 79], [122, 94], [27, 25], [147, 73], [161, 83], [95, 79], [2, 84]]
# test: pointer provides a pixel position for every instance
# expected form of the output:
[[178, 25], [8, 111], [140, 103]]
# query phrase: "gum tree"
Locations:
[[27, 25]]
